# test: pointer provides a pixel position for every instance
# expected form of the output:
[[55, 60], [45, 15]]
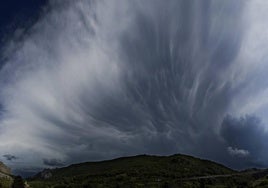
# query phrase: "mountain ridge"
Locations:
[[128, 171], [139, 161], [149, 171]]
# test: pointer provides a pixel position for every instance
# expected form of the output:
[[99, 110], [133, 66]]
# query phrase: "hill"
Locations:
[[142, 170], [146, 171], [6, 179], [4, 169], [180, 166]]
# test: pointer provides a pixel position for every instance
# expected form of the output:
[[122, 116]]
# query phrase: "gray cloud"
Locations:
[[53, 162], [10, 157], [95, 80], [238, 152], [246, 136]]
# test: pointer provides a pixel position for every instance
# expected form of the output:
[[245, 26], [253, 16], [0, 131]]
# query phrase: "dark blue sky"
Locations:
[[16, 13]]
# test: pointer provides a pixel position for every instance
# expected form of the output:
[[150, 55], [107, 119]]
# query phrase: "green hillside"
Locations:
[[144, 165], [137, 171], [143, 171], [6, 182]]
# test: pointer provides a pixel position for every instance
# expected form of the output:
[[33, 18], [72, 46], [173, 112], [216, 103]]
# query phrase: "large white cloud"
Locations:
[[69, 53], [99, 79]]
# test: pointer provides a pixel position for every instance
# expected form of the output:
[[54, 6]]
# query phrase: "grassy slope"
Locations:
[[137, 171], [175, 166], [6, 182]]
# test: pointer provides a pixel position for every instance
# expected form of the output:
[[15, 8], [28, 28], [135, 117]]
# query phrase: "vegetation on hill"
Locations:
[[137, 171], [6, 182], [176, 171], [179, 166], [4, 169]]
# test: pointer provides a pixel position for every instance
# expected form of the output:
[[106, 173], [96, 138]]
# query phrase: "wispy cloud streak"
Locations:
[[98, 79]]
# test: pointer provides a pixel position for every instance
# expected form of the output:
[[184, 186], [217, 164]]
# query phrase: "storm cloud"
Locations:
[[246, 137], [10, 157], [94, 80], [52, 162]]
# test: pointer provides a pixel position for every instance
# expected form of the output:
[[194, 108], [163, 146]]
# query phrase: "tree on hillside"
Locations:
[[18, 182]]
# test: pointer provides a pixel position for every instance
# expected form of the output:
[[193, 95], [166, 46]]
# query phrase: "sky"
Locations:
[[94, 80]]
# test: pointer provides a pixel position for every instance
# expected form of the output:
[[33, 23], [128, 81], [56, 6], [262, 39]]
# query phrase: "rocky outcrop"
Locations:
[[4, 169], [46, 174]]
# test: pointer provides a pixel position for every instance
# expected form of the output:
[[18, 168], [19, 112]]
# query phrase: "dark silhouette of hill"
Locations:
[[180, 166], [143, 170], [18, 182], [146, 171]]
